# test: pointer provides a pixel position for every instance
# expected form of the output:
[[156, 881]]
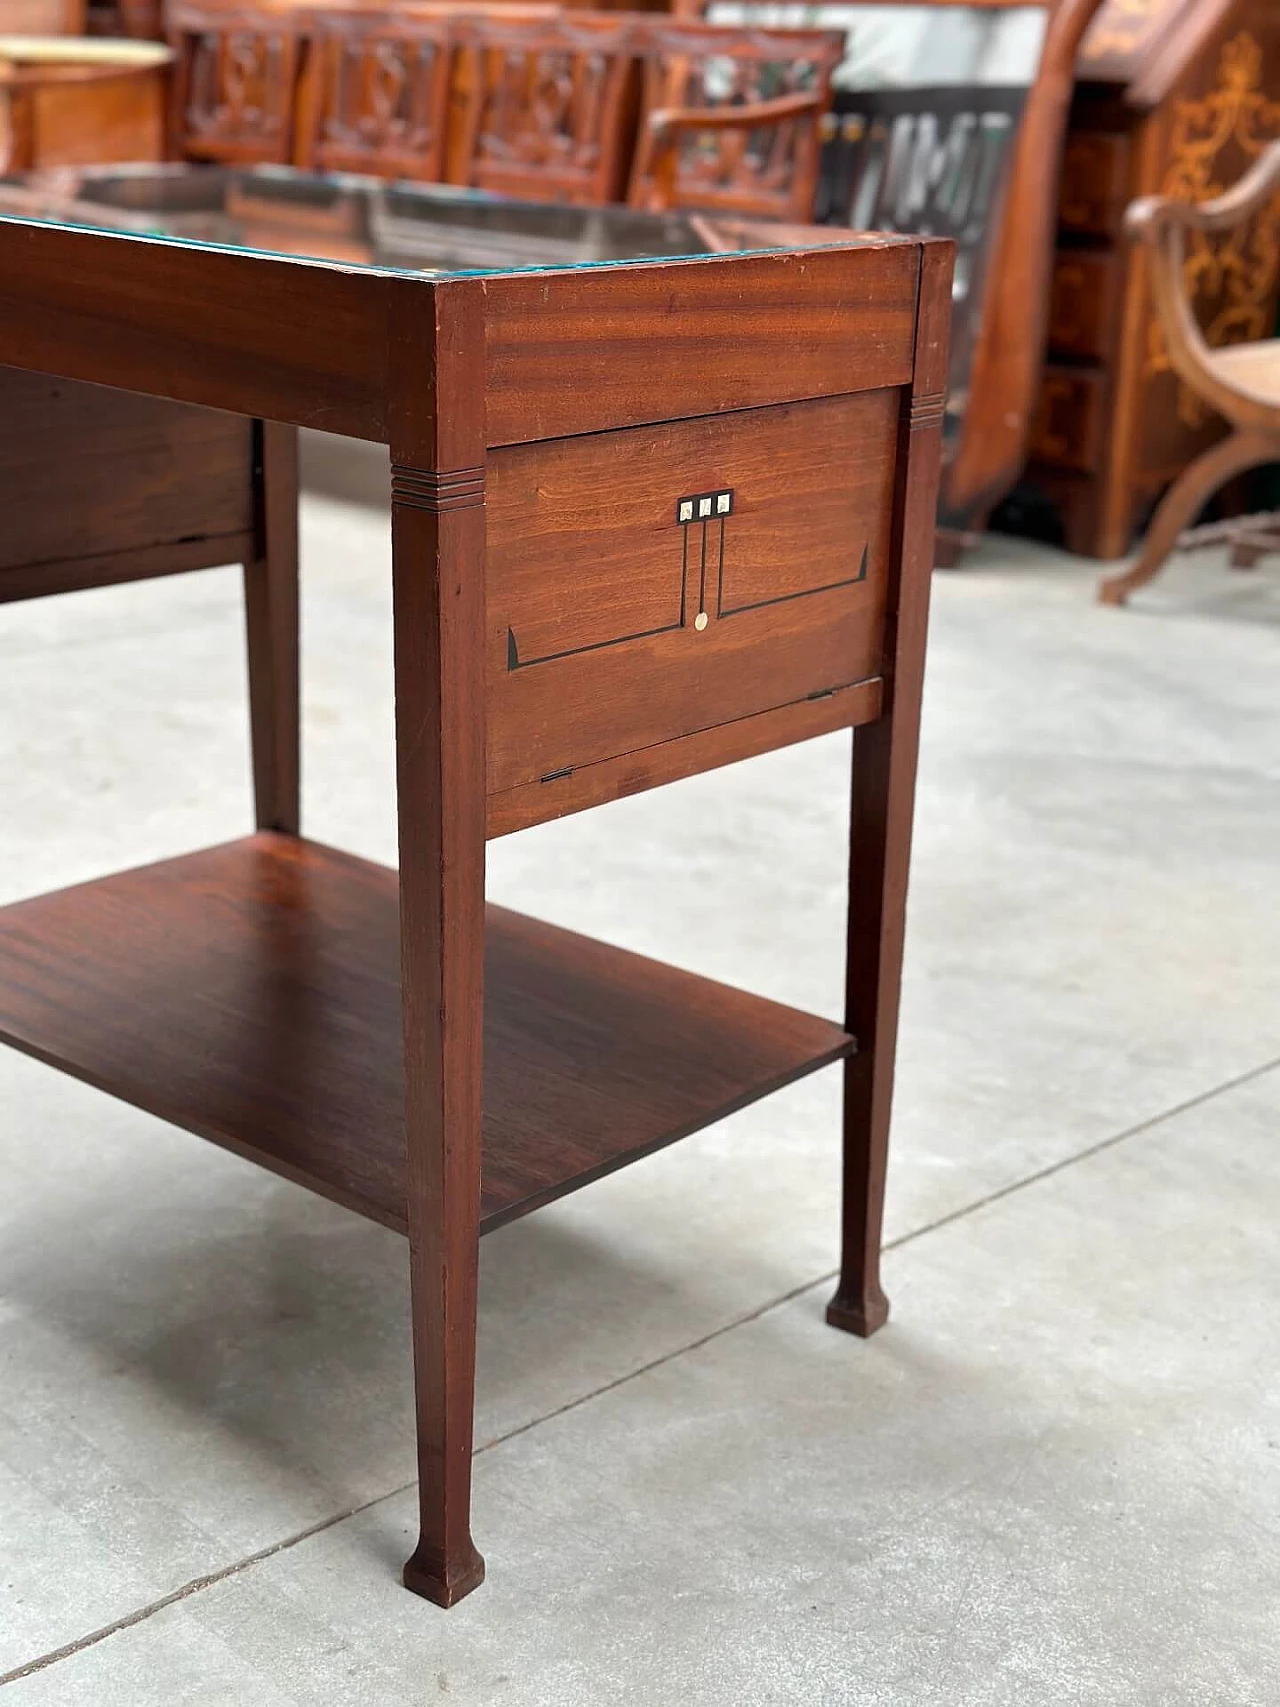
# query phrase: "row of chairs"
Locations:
[[528, 101]]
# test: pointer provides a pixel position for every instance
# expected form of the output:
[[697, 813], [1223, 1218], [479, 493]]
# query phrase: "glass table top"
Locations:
[[421, 228]]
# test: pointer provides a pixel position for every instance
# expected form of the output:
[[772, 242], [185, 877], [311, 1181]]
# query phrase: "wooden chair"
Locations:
[[729, 117], [375, 93], [548, 106], [1241, 381], [235, 82]]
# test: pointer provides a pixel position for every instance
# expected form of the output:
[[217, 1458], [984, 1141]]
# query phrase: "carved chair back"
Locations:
[[768, 163], [547, 104], [235, 82], [375, 93]]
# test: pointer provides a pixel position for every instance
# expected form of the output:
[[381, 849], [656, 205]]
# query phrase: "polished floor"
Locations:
[[1053, 1479]]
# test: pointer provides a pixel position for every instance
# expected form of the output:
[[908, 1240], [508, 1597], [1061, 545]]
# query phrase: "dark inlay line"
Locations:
[[804, 593], [684, 576], [720, 574], [516, 662]]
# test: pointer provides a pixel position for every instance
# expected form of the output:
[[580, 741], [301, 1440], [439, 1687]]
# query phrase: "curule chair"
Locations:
[[730, 117], [1241, 381]]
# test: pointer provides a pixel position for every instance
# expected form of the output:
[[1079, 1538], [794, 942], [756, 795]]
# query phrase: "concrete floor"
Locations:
[[1055, 1477]]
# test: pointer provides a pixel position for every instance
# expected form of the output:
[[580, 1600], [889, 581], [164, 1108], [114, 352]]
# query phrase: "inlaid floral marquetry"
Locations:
[[1232, 279]]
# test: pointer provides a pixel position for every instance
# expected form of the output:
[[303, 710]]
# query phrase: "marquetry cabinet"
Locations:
[[1173, 97]]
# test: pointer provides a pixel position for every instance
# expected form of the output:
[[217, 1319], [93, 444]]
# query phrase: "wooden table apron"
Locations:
[[710, 489]]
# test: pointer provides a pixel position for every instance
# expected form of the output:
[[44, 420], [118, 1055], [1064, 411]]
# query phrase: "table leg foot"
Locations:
[[444, 1581], [861, 1316]]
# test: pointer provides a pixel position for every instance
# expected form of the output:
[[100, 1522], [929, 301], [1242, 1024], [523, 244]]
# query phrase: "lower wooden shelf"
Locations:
[[250, 993]]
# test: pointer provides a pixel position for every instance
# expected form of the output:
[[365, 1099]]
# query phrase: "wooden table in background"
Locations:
[[71, 102], [647, 519]]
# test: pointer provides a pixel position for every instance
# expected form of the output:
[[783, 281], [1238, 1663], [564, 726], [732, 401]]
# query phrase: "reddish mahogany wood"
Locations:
[[883, 804], [547, 106], [251, 993], [271, 625], [87, 472], [304, 344], [678, 342], [613, 625], [235, 81], [649, 767], [374, 96], [436, 422]]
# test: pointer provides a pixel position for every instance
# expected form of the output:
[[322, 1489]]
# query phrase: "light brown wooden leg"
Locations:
[[884, 772], [1182, 504], [438, 542], [271, 623]]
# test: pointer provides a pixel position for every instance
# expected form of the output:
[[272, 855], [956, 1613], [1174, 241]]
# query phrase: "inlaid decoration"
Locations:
[[1231, 278], [703, 519]]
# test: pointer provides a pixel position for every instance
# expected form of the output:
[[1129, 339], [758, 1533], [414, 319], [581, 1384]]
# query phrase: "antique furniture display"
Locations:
[[547, 106], [1174, 98], [1240, 382], [69, 101], [375, 95], [523, 101], [235, 84], [948, 119], [729, 118], [647, 518]]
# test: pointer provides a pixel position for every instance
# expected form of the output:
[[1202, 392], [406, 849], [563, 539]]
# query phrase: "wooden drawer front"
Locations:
[[85, 470], [1095, 184], [1083, 303], [613, 625], [1069, 423]]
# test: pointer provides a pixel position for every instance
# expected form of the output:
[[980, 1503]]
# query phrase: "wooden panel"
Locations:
[[614, 624], [85, 471], [1070, 422], [103, 118], [236, 81], [1095, 184], [1084, 303], [546, 106], [650, 767], [304, 344], [577, 352], [374, 96], [287, 1046]]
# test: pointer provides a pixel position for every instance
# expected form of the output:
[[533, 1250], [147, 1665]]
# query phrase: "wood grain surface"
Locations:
[[251, 993], [86, 471], [614, 626], [579, 352]]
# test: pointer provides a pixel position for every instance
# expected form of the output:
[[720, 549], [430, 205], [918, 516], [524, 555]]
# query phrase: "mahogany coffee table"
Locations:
[[648, 517]]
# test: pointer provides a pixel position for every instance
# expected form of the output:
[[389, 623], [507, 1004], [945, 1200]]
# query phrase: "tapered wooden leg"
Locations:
[[271, 622], [1182, 504], [877, 898], [883, 794], [438, 566]]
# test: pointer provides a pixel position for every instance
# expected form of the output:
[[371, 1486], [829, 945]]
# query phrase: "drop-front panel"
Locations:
[[657, 581]]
